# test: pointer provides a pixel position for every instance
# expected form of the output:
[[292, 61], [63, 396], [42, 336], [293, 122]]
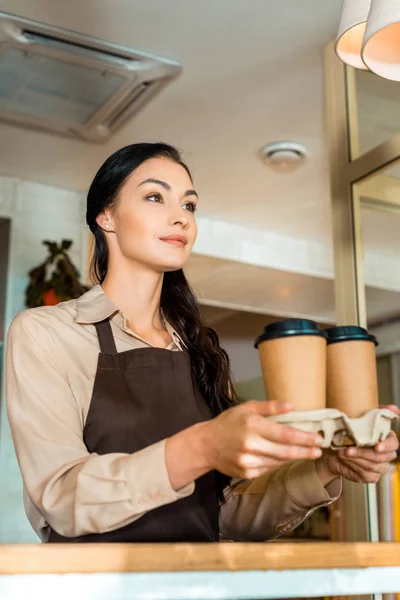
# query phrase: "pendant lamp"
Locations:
[[381, 46], [351, 31]]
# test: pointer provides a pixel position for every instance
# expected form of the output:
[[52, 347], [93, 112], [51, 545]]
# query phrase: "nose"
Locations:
[[179, 216]]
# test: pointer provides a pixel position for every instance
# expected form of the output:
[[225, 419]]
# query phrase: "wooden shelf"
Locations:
[[147, 558]]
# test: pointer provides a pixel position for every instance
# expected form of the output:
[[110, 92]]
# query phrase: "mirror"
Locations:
[[373, 110]]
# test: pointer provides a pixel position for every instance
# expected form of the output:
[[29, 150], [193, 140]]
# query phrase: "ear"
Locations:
[[105, 221]]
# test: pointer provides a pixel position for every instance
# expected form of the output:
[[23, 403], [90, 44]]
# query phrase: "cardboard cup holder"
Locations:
[[338, 430]]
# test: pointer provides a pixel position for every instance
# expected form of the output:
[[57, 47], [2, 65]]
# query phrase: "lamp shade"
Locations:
[[350, 35], [381, 46]]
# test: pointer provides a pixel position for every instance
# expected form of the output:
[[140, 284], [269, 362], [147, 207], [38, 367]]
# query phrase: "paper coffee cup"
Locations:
[[293, 362], [352, 381]]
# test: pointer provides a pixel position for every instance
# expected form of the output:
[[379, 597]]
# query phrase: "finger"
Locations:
[[283, 434], [391, 444], [391, 407], [268, 408], [366, 465], [350, 474], [257, 446], [289, 452], [251, 467], [366, 476], [363, 460], [370, 454]]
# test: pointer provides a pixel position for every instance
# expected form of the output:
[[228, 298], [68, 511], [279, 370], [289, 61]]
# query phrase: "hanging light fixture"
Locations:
[[381, 46], [369, 36], [353, 20]]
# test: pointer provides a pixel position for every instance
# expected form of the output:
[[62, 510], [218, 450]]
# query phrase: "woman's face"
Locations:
[[153, 221]]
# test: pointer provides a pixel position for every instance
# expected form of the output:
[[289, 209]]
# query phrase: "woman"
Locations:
[[120, 402]]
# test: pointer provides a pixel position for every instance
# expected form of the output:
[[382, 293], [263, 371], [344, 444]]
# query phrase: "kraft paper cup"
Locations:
[[352, 382], [293, 362]]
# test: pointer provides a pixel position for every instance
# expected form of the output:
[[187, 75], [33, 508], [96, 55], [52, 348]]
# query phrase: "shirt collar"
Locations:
[[95, 306]]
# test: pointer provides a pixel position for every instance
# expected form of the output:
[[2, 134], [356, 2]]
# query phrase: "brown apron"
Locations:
[[139, 398]]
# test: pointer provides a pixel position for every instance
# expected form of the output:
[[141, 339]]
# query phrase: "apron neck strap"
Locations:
[[106, 338]]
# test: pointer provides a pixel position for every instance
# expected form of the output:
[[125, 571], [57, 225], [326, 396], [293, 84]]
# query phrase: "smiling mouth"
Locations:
[[179, 242], [174, 243]]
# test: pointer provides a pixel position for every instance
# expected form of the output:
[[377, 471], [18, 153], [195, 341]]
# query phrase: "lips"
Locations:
[[175, 240]]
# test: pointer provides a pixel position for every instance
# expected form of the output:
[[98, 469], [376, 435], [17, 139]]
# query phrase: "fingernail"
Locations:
[[352, 452], [319, 440], [317, 452], [380, 447], [285, 405]]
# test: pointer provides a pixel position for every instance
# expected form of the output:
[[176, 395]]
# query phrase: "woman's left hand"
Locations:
[[361, 465]]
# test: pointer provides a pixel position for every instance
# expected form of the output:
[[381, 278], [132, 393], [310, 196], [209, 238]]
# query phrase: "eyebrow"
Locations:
[[167, 187]]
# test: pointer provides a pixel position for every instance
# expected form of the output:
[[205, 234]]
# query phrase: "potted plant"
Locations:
[[56, 279]]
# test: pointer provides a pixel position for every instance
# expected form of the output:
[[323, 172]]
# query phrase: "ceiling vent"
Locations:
[[59, 81], [284, 156]]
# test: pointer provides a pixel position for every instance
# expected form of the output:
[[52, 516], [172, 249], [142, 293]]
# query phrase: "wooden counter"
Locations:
[[139, 558], [182, 571]]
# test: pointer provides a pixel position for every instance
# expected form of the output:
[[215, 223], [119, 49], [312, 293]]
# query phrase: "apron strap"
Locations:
[[106, 338]]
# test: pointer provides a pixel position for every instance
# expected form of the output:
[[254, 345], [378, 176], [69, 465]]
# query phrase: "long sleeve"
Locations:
[[267, 507], [71, 490]]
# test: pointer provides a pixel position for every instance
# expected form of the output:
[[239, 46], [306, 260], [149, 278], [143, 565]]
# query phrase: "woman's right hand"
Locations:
[[242, 442]]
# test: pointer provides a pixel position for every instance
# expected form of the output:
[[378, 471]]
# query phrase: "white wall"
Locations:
[[246, 368], [388, 337], [237, 334], [37, 212], [244, 359]]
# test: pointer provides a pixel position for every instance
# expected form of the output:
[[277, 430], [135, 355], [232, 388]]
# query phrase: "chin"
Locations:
[[167, 268], [171, 260], [165, 264]]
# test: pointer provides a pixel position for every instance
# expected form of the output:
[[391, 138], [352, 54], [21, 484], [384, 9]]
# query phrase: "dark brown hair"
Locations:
[[210, 362]]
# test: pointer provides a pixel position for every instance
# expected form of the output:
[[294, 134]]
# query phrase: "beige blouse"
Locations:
[[51, 363]]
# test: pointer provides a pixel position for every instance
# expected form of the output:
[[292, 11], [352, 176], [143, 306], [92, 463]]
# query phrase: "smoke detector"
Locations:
[[66, 83], [284, 156]]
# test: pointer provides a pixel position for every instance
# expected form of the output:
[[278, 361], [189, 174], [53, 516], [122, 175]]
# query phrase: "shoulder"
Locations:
[[36, 321]]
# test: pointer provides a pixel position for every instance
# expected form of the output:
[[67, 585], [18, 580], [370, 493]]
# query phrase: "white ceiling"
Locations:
[[252, 73]]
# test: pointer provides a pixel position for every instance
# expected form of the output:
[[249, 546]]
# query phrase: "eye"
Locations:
[[191, 206], [154, 197]]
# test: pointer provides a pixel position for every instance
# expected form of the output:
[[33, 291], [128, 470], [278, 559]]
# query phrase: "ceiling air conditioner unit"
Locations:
[[59, 81]]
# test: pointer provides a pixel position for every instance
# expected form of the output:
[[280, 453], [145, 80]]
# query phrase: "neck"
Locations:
[[137, 293]]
